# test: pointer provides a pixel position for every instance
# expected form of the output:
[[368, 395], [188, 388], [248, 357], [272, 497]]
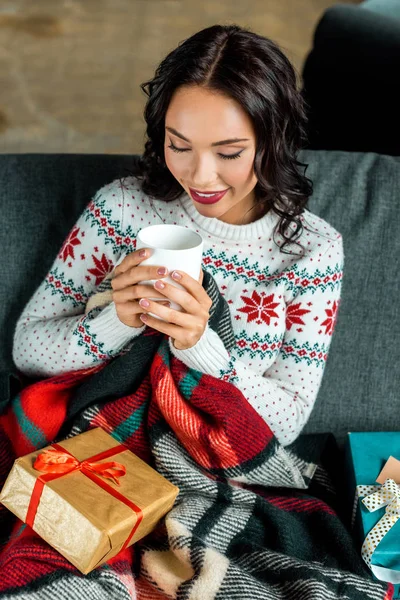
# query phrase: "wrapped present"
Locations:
[[89, 497], [376, 507]]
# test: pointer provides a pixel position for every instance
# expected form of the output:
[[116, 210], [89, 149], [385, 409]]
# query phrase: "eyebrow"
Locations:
[[221, 143]]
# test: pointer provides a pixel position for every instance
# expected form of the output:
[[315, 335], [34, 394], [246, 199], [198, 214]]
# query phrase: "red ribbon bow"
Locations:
[[56, 461]]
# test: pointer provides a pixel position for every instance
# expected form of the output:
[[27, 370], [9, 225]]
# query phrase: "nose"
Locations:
[[203, 172]]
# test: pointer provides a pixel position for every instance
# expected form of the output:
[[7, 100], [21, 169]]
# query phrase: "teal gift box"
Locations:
[[366, 454]]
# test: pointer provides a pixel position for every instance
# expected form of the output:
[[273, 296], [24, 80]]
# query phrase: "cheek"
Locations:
[[175, 164], [168, 161], [242, 174]]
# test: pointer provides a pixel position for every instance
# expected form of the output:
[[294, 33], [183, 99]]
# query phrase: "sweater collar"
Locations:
[[263, 227]]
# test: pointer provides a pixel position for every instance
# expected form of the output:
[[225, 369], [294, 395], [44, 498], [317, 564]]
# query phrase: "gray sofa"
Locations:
[[42, 195]]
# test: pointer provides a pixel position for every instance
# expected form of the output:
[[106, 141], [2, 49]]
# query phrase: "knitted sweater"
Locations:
[[283, 306]]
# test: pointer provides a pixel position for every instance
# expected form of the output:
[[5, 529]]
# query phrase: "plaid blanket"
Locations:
[[252, 520]]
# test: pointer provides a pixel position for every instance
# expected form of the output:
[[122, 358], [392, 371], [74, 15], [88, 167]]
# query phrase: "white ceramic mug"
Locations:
[[174, 247]]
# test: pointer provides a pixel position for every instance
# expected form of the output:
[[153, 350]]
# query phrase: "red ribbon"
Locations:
[[57, 462]]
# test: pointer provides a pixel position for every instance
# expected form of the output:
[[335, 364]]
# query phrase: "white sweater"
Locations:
[[283, 306]]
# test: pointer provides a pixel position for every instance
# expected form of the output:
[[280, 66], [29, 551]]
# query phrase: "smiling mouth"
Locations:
[[207, 197]]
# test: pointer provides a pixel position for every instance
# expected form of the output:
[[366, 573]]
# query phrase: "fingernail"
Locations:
[[144, 318], [142, 253], [162, 271], [176, 275], [145, 303], [159, 285]]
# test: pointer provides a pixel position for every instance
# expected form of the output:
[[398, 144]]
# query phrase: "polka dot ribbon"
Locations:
[[361, 491], [387, 495]]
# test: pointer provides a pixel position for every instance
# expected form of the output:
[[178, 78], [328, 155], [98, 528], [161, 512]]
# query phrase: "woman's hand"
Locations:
[[184, 327], [127, 292]]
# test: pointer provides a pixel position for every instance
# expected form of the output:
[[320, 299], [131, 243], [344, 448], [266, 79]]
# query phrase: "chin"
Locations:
[[206, 211]]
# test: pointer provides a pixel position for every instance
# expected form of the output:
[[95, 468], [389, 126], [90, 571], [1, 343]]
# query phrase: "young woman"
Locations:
[[224, 125]]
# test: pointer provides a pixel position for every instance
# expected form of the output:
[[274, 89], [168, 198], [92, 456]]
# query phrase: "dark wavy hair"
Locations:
[[252, 70]]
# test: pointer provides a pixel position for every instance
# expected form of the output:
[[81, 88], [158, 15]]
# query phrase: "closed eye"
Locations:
[[224, 156]]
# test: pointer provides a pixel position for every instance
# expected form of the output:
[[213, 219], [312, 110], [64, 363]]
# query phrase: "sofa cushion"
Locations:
[[41, 197], [359, 195]]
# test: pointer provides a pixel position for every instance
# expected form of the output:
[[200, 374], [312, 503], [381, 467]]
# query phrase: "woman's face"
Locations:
[[196, 123]]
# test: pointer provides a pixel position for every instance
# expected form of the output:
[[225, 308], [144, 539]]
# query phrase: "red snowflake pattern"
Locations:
[[294, 314], [103, 267], [330, 321], [68, 247], [259, 308]]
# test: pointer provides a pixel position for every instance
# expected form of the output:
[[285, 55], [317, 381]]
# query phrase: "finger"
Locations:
[[193, 286], [132, 259], [165, 312], [130, 309], [135, 292], [190, 298], [136, 275], [129, 313]]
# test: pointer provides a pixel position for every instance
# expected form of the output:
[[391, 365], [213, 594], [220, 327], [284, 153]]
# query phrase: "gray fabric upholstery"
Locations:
[[359, 194], [42, 195], [40, 198]]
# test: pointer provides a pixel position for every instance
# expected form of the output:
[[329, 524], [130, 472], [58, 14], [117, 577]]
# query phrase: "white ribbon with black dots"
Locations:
[[386, 495]]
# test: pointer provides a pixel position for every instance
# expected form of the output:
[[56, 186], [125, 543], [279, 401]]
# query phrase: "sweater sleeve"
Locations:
[[53, 335], [284, 395]]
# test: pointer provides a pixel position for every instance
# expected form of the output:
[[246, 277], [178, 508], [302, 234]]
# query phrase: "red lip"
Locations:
[[211, 200]]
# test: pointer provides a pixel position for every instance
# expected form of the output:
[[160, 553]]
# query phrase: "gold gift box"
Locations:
[[79, 518]]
